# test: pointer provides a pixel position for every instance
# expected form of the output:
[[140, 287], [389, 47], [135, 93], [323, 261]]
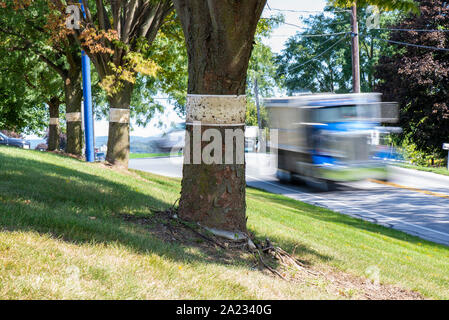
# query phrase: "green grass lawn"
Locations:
[[439, 170], [62, 237], [147, 155]]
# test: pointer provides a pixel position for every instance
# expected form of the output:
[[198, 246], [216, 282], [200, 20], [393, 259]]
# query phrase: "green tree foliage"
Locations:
[[402, 5], [26, 84], [262, 65], [251, 115], [323, 63], [21, 110], [418, 78], [34, 30]]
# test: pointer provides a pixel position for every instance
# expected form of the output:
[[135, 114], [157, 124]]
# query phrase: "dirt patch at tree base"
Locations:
[[268, 258]]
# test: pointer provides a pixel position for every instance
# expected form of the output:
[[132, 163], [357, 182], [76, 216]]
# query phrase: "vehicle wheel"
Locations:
[[298, 180], [331, 186], [322, 185], [284, 176]]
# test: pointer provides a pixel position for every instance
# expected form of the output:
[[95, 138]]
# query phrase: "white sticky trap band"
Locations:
[[54, 121], [216, 109], [197, 123], [119, 115], [73, 116]]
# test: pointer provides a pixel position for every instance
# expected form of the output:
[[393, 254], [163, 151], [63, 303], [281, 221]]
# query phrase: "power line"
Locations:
[[321, 35], [305, 35], [305, 11], [318, 55], [299, 26], [313, 35], [293, 25], [412, 44], [411, 30]]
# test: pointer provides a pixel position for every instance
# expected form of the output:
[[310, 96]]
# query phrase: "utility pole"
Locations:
[[256, 91], [355, 51]]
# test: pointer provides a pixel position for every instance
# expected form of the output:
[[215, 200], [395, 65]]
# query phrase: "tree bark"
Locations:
[[53, 128], [118, 139], [219, 37], [73, 99]]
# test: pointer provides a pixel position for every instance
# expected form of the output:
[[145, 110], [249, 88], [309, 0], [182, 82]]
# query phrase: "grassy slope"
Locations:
[[440, 170], [62, 238]]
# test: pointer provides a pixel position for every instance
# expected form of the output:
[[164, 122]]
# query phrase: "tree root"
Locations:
[[240, 241]]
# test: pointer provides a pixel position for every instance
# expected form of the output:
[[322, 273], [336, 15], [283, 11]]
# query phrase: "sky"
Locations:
[[276, 42], [283, 32]]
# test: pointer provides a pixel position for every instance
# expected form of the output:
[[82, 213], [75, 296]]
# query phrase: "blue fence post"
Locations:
[[87, 94]]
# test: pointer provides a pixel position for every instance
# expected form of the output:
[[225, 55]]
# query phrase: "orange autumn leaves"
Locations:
[[16, 4], [94, 41]]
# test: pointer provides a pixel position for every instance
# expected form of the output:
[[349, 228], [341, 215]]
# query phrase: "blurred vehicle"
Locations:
[[174, 139], [328, 138], [14, 142], [100, 156], [41, 147]]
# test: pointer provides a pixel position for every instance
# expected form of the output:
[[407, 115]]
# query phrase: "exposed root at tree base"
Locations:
[[266, 257]]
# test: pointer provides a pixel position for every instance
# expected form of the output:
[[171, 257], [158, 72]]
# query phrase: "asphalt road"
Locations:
[[412, 201]]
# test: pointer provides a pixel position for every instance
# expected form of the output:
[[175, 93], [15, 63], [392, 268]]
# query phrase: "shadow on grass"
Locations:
[[78, 208]]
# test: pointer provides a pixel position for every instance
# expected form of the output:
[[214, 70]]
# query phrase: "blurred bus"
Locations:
[[329, 138]]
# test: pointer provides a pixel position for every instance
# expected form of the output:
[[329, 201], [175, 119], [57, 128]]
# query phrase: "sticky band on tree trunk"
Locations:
[[73, 116], [216, 110], [197, 123], [119, 115], [54, 121]]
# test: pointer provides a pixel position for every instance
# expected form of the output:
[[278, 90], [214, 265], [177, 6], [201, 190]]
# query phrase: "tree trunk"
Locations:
[[118, 139], [219, 37], [53, 128], [73, 99]]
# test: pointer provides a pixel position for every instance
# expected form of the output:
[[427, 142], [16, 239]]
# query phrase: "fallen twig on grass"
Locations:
[[200, 234]]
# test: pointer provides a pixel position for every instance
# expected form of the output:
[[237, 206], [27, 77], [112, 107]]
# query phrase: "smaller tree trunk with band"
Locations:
[[53, 128], [73, 99], [118, 140]]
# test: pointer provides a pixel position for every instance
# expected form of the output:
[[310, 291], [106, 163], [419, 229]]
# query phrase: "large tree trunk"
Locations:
[[73, 99], [219, 36], [53, 128], [118, 139]]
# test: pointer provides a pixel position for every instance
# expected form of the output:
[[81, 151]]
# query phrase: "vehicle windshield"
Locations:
[[345, 113], [336, 114]]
